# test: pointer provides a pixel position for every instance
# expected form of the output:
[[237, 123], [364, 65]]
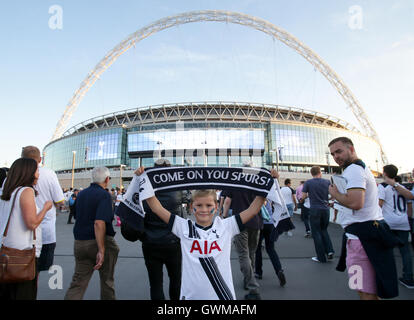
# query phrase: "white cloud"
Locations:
[[405, 41]]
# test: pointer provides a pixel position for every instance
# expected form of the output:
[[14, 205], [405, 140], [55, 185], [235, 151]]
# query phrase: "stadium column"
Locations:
[[73, 167]]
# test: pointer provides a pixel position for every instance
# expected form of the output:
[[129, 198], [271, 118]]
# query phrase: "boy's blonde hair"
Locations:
[[203, 193]]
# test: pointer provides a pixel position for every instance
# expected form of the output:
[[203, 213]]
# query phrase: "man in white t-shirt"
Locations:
[[289, 196], [49, 189], [290, 200], [407, 194], [67, 195], [376, 279], [394, 208]]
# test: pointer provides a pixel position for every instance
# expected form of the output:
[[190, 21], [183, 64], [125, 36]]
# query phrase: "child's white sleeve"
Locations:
[[235, 226], [177, 225]]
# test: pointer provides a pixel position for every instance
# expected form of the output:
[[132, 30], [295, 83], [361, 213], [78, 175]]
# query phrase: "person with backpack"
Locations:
[[160, 246]]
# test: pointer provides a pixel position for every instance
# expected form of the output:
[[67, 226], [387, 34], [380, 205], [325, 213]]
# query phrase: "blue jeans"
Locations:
[[319, 221], [305, 214], [290, 207], [270, 236], [405, 254]]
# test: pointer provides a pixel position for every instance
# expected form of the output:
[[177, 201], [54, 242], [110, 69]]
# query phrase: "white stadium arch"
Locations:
[[227, 17]]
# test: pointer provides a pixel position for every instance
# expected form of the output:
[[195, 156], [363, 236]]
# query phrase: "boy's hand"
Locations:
[[139, 171], [274, 174]]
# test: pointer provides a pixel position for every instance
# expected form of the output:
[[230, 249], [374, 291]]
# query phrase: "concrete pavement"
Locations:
[[306, 280]]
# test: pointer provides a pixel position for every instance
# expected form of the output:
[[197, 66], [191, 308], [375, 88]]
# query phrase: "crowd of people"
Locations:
[[194, 231]]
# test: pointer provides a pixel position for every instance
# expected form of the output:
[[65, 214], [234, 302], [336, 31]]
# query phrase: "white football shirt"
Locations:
[[48, 189], [394, 208], [206, 258], [287, 195], [357, 177]]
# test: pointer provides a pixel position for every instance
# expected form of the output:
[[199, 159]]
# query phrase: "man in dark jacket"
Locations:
[[160, 246]]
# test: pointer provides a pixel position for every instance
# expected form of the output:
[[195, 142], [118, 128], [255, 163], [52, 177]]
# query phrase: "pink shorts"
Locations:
[[360, 271]]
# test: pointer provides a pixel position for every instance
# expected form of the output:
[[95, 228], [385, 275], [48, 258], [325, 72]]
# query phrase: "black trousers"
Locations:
[[47, 256], [155, 257], [26, 290], [71, 214]]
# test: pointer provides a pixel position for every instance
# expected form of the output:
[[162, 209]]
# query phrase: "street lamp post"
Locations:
[[73, 166], [159, 149], [327, 153], [204, 143], [277, 158], [278, 150], [271, 158], [120, 175]]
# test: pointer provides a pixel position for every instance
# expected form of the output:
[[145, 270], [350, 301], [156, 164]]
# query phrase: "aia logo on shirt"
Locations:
[[203, 247]]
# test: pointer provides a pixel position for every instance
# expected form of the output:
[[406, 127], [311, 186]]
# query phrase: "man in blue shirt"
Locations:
[[317, 189], [95, 247]]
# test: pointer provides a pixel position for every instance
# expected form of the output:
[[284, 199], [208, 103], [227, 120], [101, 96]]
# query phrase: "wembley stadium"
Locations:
[[208, 133], [203, 134]]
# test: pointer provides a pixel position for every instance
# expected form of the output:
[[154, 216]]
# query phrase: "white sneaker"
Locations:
[[290, 234], [315, 259]]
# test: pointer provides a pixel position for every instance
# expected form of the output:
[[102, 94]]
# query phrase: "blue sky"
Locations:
[[40, 68]]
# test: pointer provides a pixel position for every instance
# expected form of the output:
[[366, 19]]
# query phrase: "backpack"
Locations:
[[132, 224]]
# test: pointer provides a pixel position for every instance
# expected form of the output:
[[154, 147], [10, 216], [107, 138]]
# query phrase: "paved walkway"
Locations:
[[306, 279]]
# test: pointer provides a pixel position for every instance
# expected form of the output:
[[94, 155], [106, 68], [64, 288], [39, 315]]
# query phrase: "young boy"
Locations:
[[205, 244]]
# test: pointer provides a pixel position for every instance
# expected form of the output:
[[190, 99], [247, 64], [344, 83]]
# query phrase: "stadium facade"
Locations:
[[207, 134]]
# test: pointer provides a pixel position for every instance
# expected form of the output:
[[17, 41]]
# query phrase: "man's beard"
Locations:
[[346, 163]]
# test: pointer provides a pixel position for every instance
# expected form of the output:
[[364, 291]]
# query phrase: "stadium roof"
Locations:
[[209, 111]]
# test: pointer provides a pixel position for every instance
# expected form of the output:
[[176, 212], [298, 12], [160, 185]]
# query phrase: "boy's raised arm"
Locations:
[[158, 209], [154, 203], [253, 209]]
